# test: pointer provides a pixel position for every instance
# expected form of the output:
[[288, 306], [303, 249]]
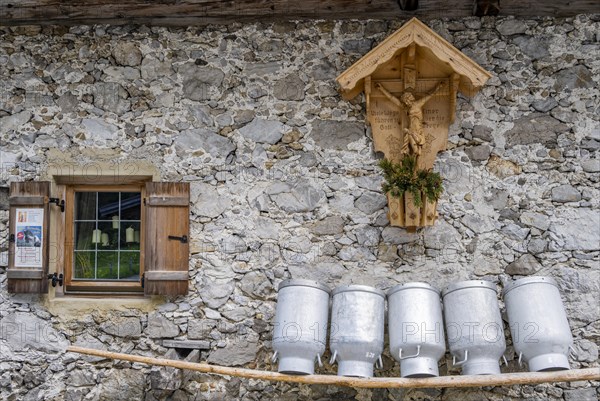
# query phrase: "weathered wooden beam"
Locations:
[[202, 12], [506, 379], [25, 274]]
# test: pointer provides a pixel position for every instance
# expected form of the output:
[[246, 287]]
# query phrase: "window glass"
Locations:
[[108, 205], [107, 227], [85, 206], [131, 206]]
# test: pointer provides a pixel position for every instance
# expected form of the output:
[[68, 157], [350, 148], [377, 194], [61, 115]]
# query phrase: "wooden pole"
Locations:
[[506, 379]]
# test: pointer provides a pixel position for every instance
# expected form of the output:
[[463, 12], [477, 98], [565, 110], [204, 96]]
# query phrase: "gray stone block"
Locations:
[[263, 131], [328, 226], [336, 135], [127, 54], [524, 266], [535, 128], [565, 193], [290, 87], [160, 327]]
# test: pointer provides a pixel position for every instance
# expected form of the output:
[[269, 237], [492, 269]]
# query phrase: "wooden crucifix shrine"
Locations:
[[411, 81]]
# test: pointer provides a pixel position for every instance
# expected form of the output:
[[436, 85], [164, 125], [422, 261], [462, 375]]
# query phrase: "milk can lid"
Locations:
[[461, 285], [304, 283], [360, 288], [408, 286], [528, 280]]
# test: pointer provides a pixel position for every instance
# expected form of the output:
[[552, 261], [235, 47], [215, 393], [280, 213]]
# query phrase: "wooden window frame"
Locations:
[[94, 287]]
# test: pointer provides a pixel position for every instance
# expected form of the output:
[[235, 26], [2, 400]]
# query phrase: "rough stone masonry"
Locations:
[[285, 184]]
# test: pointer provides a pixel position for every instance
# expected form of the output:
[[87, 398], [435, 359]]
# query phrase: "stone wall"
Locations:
[[285, 184]]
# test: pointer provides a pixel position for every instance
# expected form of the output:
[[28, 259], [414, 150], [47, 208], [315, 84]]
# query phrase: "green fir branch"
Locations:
[[405, 176]]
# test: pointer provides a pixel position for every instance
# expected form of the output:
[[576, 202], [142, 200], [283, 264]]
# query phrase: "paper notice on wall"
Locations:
[[29, 232]]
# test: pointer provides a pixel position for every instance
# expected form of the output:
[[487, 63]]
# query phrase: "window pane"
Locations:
[[131, 203], [108, 205], [107, 236], [84, 236], [85, 206], [84, 265], [108, 265], [130, 236], [130, 266]]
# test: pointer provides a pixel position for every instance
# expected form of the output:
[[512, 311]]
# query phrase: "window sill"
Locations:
[[67, 306]]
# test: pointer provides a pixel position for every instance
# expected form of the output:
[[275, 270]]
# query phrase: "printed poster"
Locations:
[[29, 231]]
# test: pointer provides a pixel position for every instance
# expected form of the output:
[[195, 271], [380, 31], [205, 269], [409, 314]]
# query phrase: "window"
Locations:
[[118, 239], [104, 239]]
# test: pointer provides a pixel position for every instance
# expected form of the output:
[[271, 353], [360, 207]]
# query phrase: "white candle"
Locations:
[[136, 236], [115, 220], [104, 239], [96, 236], [129, 235]]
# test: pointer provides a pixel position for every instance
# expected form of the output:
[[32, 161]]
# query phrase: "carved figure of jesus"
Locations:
[[414, 138]]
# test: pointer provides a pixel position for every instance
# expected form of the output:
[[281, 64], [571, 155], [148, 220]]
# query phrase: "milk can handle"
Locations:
[[505, 361], [274, 357], [319, 361], [379, 363], [409, 356], [572, 352], [332, 360], [455, 363], [520, 359]]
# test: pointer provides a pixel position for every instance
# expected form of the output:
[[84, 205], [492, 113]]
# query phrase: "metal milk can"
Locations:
[[416, 328], [300, 329], [474, 326], [357, 325], [538, 323]]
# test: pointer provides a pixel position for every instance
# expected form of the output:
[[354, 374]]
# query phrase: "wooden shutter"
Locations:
[[27, 266], [167, 208]]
